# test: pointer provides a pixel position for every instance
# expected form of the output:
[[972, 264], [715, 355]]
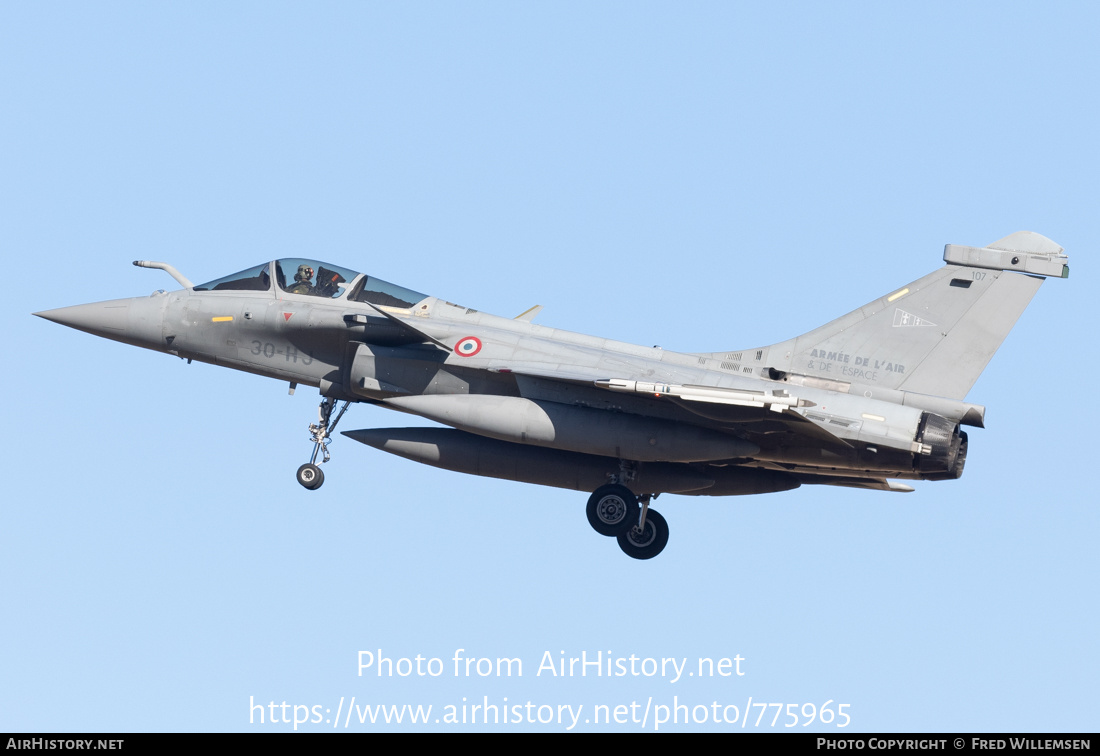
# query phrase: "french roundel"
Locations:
[[468, 346]]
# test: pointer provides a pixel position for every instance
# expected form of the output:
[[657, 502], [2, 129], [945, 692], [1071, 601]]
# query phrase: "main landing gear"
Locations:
[[613, 510], [310, 475]]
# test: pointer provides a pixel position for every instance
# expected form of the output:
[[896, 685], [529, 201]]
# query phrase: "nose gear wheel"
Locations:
[[310, 476]]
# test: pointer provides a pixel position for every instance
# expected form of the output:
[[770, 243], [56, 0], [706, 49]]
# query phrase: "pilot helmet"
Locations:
[[305, 273]]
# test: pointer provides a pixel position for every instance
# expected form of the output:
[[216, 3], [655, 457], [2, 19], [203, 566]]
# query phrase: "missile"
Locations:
[[776, 400], [559, 426]]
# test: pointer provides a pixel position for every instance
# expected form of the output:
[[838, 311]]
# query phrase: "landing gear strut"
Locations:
[[614, 510], [310, 475]]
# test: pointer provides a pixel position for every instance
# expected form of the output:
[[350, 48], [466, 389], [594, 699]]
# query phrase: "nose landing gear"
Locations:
[[310, 475]]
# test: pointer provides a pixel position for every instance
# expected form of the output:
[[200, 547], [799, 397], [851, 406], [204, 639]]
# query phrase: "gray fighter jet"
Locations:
[[872, 398]]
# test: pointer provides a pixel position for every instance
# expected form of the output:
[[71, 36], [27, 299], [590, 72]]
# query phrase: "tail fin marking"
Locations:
[[936, 335]]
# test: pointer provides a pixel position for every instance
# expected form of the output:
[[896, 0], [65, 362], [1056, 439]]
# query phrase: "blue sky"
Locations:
[[702, 176]]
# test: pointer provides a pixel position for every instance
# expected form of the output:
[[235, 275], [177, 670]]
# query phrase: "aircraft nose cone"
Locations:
[[107, 319], [137, 321]]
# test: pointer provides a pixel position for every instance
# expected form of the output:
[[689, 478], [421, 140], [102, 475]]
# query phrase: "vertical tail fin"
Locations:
[[933, 336]]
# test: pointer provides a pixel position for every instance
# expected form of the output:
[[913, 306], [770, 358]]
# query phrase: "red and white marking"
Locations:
[[468, 346]]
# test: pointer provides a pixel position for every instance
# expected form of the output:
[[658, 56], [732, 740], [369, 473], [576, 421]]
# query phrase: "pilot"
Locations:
[[302, 280]]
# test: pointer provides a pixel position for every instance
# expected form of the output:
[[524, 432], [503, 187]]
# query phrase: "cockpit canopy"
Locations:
[[312, 278], [316, 279]]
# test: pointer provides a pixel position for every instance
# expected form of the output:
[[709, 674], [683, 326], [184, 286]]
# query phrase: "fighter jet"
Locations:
[[871, 399]]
